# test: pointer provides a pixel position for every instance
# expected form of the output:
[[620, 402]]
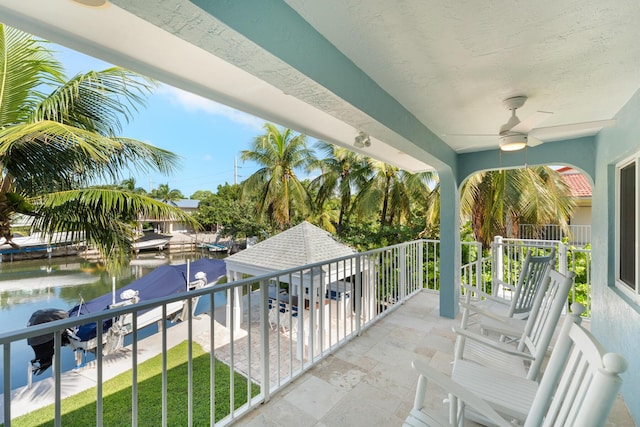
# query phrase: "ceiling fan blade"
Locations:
[[532, 141], [530, 122], [571, 130], [471, 148]]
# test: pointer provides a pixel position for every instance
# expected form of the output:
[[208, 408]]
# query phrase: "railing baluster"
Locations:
[[265, 385], [6, 349], [232, 364], [57, 372], [99, 337], [134, 370], [190, 361], [249, 330], [212, 360], [164, 366]]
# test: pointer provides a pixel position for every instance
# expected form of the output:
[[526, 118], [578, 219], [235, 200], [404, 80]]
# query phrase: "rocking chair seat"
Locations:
[[510, 395]]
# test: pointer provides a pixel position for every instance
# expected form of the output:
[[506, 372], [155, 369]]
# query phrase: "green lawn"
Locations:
[[80, 409]]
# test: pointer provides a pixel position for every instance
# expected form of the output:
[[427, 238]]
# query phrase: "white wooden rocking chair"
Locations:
[[578, 388], [525, 357], [513, 301]]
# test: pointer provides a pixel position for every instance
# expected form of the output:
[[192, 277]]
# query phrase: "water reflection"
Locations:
[[27, 286]]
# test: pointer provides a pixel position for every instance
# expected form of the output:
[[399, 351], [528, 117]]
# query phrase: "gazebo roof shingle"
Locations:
[[300, 245]]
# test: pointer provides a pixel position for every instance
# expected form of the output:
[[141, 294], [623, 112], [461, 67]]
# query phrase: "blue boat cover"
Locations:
[[163, 281]]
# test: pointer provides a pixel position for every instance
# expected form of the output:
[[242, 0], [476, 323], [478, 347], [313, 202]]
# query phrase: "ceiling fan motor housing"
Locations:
[[514, 102]]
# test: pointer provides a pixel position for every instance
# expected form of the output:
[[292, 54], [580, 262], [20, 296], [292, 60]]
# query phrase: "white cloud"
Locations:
[[192, 103]]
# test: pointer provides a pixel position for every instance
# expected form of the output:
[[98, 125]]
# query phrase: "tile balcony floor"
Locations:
[[369, 381]]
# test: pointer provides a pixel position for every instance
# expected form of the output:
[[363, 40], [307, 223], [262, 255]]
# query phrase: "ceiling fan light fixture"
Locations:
[[513, 142]]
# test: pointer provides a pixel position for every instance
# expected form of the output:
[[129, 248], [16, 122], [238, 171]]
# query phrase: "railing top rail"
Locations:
[[575, 249], [528, 242], [397, 245]]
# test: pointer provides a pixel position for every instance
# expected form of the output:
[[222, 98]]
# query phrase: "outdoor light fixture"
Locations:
[[513, 142], [362, 140]]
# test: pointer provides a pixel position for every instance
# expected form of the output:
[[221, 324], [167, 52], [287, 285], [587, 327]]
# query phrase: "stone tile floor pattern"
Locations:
[[369, 381]]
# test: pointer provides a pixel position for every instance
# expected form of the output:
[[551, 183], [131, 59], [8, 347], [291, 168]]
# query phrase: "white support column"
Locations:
[[498, 256], [370, 290], [234, 310], [562, 258], [237, 308], [229, 309], [402, 273]]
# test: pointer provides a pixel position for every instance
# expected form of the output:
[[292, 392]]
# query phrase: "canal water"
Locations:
[[27, 286]]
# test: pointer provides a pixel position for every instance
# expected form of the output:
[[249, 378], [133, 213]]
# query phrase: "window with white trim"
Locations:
[[627, 231]]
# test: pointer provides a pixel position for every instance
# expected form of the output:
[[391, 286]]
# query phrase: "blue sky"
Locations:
[[206, 135]]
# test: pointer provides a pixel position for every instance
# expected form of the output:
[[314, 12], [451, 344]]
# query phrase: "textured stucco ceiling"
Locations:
[[452, 63], [439, 67]]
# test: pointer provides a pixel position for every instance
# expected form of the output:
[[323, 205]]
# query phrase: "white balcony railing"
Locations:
[[577, 235], [507, 256], [288, 321], [318, 308]]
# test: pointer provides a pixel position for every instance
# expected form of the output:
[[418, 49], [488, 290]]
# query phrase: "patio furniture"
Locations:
[[525, 356], [281, 309], [578, 388], [340, 292], [505, 299], [276, 313]]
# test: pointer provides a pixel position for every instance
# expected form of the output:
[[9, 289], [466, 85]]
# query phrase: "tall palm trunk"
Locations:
[[385, 203]]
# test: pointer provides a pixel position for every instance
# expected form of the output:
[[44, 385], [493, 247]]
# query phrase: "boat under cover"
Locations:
[[163, 281]]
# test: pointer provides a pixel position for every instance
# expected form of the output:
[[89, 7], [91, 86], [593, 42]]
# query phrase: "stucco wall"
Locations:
[[616, 319], [581, 215]]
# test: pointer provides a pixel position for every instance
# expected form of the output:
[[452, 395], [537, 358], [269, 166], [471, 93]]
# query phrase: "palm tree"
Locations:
[[58, 137], [278, 193], [343, 173], [129, 184], [392, 192], [167, 195], [498, 201]]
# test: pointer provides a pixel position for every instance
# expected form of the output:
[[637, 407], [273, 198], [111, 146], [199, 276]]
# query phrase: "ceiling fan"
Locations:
[[516, 135]]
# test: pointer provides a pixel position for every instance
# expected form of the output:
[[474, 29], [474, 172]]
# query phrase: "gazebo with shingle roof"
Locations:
[[298, 246]]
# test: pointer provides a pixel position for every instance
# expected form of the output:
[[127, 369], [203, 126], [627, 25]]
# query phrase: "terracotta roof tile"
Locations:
[[578, 183]]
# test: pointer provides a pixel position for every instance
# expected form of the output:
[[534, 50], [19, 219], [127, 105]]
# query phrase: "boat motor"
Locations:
[[43, 345]]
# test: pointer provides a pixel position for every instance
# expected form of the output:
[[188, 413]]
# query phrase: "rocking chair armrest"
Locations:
[[504, 284], [496, 345], [474, 290], [427, 373], [486, 313], [507, 328]]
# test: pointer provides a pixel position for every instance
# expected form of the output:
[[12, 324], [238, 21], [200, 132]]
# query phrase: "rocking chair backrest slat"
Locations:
[[580, 383], [544, 318], [535, 271]]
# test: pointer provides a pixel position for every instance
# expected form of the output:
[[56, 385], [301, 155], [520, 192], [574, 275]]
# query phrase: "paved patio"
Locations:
[[370, 382]]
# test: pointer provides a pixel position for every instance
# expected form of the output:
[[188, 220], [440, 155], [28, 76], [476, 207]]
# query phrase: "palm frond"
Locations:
[[27, 67], [96, 101], [102, 216], [49, 156]]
